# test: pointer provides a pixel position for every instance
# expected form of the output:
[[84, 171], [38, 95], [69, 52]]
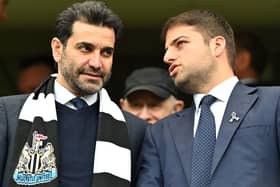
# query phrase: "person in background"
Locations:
[[250, 60], [230, 136], [150, 94], [68, 132], [32, 71], [3, 10]]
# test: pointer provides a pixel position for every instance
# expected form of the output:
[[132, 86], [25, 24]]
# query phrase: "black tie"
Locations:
[[204, 145], [79, 103]]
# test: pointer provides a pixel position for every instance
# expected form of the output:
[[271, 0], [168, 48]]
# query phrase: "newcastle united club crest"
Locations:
[[36, 163]]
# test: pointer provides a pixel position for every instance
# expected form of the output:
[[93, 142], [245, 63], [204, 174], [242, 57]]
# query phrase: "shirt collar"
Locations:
[[249, 81], [222, 91], [63, 96]]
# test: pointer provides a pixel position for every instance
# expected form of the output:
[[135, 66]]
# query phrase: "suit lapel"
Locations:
[[182, 133], [240, 101]]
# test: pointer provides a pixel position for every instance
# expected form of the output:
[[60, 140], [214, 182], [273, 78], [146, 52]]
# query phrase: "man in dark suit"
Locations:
[[244, 121], [68, 132]]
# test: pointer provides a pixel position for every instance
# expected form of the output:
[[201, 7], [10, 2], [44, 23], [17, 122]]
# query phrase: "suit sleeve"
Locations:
[[136, 131], [150, 170], [278, 120], [3, 140]]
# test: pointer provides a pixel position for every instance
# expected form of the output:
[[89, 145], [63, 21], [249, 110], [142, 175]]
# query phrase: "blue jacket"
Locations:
[[247, 152]]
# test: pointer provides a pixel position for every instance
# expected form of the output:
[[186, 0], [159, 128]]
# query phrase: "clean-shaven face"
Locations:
[[189, 58], [86, 61]]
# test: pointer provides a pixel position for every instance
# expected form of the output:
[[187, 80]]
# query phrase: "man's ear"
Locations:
[[57, 49], [122, 103], [217, 45], [179, 105]]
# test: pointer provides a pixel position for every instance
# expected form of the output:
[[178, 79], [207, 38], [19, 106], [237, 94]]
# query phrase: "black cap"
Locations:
[[155, 80]]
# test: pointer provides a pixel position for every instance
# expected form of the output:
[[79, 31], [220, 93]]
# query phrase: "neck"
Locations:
[[221, 74]]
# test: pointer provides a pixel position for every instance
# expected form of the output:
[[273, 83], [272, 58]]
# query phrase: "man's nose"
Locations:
[[95, 60], [145, 114], [168, 57]]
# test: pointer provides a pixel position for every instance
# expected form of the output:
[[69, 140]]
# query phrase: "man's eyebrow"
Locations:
[[84, 44], [108, 48], [90, 45]]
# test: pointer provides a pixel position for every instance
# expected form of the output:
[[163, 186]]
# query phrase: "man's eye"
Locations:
[[135, 105], [107, 52], [85, 48], [154, 105], [180, 43]]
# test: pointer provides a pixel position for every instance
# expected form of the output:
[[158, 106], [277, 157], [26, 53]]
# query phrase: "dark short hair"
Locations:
[[209, 24], [92, 12], [252, 43]]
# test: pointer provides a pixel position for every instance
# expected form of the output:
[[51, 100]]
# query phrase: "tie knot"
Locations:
[[79, 103], [208, 100]]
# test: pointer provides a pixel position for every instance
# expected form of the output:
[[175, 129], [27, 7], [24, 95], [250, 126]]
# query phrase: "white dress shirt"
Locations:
[[63, 96], [222, 92]]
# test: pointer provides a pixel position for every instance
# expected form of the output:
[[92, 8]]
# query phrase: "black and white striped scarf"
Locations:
[[36, 154]]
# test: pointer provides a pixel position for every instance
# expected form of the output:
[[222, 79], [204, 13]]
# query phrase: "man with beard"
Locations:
[[230, 136], [68, 132]]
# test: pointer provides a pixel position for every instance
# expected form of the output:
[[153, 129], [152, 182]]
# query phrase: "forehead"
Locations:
[[84, 32], [181, 30]]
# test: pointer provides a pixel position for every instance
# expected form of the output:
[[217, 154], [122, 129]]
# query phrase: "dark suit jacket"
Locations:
[[246, 152], [10, 107]]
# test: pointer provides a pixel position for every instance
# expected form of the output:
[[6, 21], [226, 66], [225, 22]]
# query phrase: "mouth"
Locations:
[[92, 75], [172, 70]]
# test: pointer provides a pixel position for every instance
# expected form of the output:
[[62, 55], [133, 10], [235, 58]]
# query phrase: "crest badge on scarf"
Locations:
[[36, 163]]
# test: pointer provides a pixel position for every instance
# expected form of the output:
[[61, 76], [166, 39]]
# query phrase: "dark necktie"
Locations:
[[79, 103], [204, 145]]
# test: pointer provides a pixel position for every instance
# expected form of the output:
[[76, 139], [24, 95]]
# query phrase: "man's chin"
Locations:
[[93, 89], [92, 86], [89, 88]]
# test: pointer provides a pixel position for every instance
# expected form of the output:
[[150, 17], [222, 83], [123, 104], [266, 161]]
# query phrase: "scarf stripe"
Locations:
[[115, 157], [113, 131], [112, 142], [42, 106], [110, 107], [105, 179], [36, 146]]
